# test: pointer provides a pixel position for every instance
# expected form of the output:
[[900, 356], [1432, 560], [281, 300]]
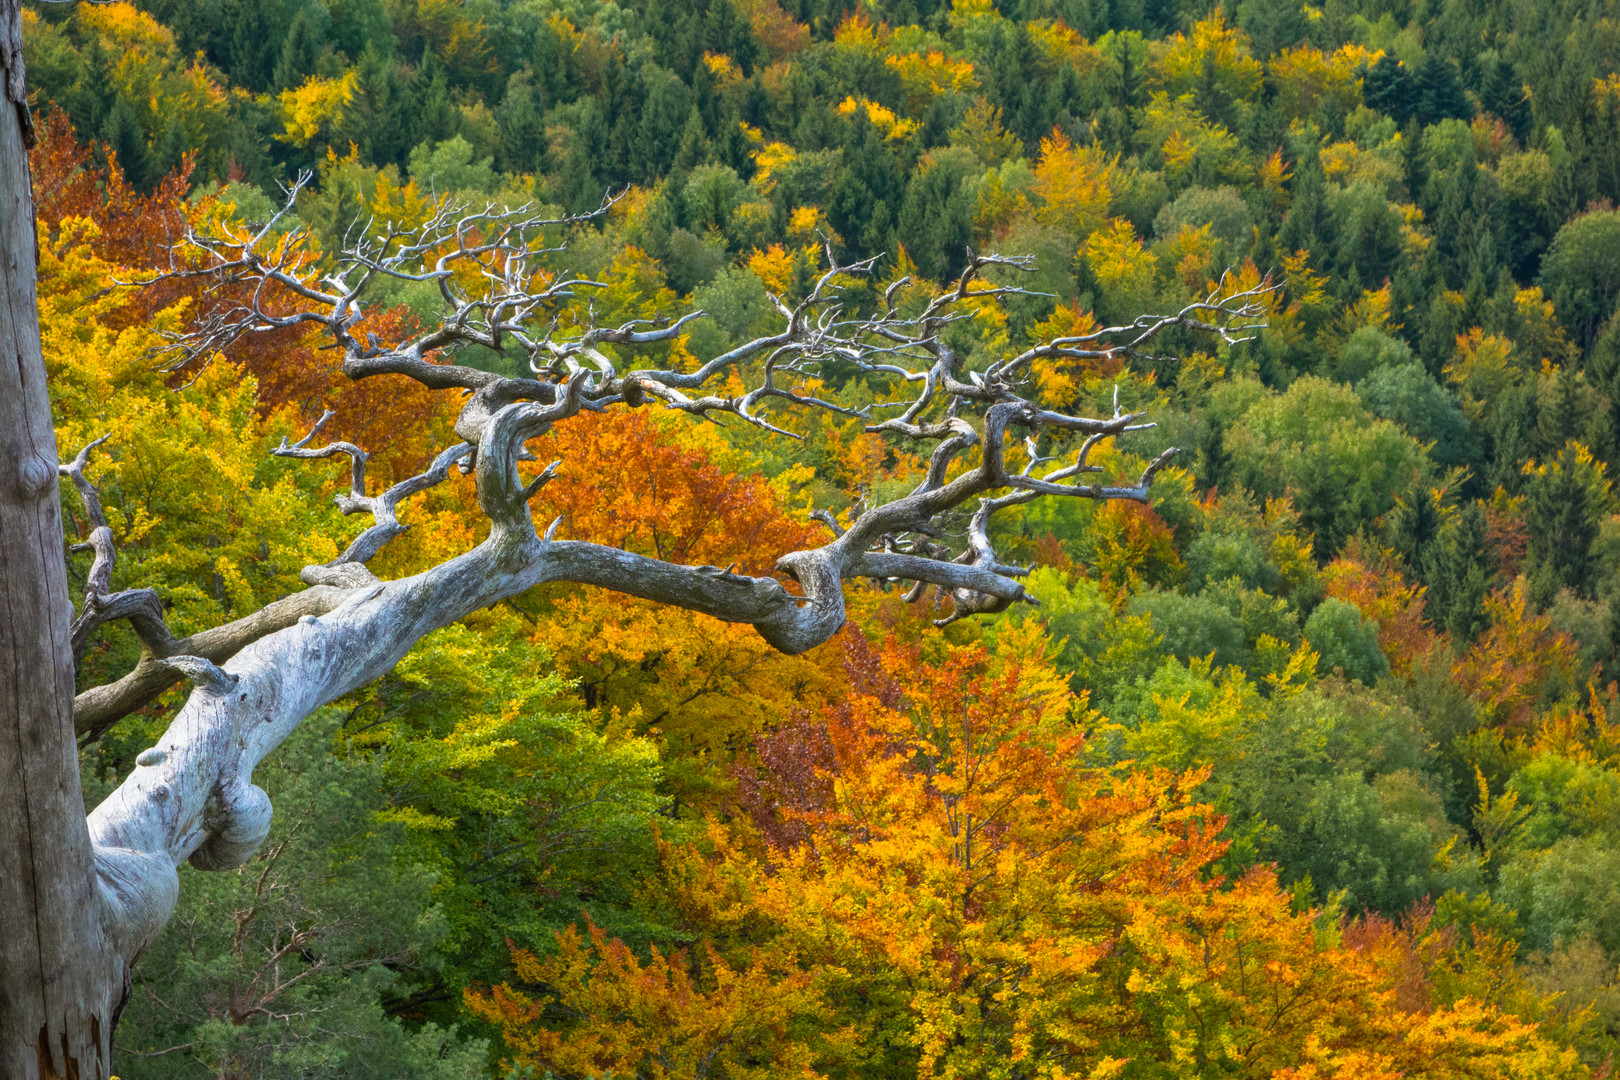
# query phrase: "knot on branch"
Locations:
[[238, 822], [203, 673]]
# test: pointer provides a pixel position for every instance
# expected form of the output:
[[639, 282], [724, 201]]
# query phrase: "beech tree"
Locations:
[[81, 896]]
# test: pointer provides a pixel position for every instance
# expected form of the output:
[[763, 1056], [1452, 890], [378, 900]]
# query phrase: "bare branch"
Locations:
[[101, 605], [193, 798], [348, 570]]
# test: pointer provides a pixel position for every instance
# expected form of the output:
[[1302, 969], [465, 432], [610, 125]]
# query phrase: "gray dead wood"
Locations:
[[80, 898]]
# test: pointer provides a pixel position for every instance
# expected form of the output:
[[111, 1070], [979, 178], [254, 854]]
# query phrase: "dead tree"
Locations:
[[192, 797]]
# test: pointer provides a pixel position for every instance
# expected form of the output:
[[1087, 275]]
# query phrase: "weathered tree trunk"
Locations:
[[59, 982]]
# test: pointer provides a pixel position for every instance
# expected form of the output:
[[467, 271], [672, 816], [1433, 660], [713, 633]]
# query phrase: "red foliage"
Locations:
[[389, 415], [1383, 595], [627, 484], [1507, 536]]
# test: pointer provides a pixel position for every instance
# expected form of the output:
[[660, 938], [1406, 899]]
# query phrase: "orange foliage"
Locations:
[[1383, 595], [958, 880], [627, 482], [390, 416], [1516, 660], [137, 230], [666, 489], [1132, 543], [677, 1016]]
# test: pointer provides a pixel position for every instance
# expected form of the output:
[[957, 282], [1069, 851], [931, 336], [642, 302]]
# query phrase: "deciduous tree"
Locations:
[[82, 897]]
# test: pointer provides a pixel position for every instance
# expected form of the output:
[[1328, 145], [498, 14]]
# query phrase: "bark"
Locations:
[[81, 898], [98, 708], [60, 982]]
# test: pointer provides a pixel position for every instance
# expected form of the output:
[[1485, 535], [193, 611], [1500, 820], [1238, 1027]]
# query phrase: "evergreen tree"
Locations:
[[520, 118], [257, 35], [1502, 94], [868, 184], [1452, 565], [1273, 25], [302, 50], [381, 105], [1566, 499], [125, 141], [1388, 87], [1438, 93], [694, 147], [936, 218], [430, 114], [1568, 407]]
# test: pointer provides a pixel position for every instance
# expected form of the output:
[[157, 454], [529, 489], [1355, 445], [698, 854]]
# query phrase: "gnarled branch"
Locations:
[[193, 798]]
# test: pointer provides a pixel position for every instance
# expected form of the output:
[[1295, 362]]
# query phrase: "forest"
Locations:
[[1308, 766]]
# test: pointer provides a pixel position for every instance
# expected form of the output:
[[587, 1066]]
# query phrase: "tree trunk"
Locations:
[[59, 985]]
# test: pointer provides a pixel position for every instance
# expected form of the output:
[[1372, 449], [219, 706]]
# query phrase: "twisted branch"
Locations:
[[193, 796]]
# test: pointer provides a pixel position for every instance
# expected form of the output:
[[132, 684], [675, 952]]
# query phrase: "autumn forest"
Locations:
[[1305, 766]]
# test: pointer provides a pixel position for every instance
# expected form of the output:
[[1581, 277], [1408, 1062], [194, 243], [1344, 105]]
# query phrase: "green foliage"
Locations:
[[1581, 272], [1425, 426], [1407, 395], [1222, 209], [1317, 444], [1565, 891], [449, 167], [1368, 350], [1192, 627], [287, 966], [1345, 641]]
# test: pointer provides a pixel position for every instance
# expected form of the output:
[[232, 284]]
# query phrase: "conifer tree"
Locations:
[[300, 51]]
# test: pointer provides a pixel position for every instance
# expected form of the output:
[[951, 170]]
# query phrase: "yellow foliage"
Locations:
[[1191, 256], [1372, 308], [184, 468], [1607, 89], [927, 75], [1073, 184], [774, 266], [768, 161], [1194, 149], [125, 24], [1123, 269], [1304, 76], [723, 68], [1483, 368], [890, 125], [1064, 45], [399, 204], [805, 225], [1223, 48], [857, 33], [315, 106], [1346, 163]]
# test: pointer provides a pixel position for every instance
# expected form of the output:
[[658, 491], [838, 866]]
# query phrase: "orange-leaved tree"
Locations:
[[934, 863]]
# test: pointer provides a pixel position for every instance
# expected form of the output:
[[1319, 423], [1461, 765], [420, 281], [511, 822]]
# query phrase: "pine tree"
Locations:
[[255, 45], [694, 146], [1566, 500], [1502, 94], [430, 113], [125, 141], [520, 118], [301, 51], [380, 108], [1273, 25], [1438, 93], [1387, 87], [1452, 565]]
